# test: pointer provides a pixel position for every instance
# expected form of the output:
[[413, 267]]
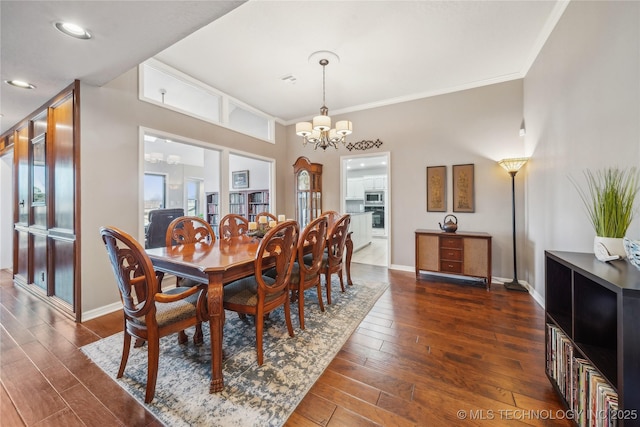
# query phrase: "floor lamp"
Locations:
[[513, 166]]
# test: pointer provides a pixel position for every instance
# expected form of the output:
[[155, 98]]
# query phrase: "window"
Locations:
[[194, 198], [154, 193], [172, 89]]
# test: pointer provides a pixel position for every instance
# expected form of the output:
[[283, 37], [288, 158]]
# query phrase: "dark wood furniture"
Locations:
[[595, 306], [332, 217], [459, 253], [258, 294], [148, 313], [182, 230], [233, 225], [333, 258], [268, 215], [306, 275], [308, 185], [228, 259], [189, 229]]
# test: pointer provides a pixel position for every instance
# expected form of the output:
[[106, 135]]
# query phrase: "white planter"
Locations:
[[612, 245]]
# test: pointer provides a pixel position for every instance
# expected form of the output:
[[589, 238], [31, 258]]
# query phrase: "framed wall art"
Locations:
[[463, 188], [240, 179], [436, 188]]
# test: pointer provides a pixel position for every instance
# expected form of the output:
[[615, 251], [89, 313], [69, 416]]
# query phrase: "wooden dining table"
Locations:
[[215, 264]]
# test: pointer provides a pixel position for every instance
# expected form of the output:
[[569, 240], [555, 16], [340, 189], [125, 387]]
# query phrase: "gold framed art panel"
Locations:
[[463, 188], [436, 188]]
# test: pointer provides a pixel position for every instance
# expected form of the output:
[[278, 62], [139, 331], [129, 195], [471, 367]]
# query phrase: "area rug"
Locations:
[[253, 395]]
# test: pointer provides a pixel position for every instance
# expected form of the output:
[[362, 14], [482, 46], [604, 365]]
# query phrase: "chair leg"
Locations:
[[287, 317], [259, 327], [182, 338], [301, 308], [139, 343], [197, 337], [125, 353], [327, 279], [341, 280], [153, 349], [319, 289]]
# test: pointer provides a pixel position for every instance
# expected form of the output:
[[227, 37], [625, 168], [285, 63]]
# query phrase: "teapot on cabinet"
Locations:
[[449, 226]]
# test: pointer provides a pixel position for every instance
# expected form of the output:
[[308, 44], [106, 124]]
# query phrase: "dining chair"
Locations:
[[306, 270], [186, 230], [269, 215], [148, 314], [332, 217], [259, 294], [233, 225], [333, 258]]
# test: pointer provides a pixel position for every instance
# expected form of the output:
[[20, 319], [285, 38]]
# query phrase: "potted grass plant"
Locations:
[[609, 200]]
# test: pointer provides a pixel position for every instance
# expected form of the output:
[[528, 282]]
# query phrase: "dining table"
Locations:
[[214, 265]]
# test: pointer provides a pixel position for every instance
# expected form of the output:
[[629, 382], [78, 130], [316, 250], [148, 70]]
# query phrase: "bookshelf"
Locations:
[[249, 203], [592, 336], [213, 210]]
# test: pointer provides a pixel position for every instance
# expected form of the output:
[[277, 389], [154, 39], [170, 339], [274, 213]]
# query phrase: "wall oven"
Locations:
[[377, 218]]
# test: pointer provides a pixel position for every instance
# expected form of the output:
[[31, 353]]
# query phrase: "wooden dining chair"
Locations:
[[233, 225], [259, 295], [306, 270], [269, 215], [333, 258], [332, 217], [148, 314], [186, 230]]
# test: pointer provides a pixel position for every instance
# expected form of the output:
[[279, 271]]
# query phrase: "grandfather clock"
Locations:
[[308, 185]]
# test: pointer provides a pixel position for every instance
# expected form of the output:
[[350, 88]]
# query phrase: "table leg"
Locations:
[[216, 323], [349, 246]]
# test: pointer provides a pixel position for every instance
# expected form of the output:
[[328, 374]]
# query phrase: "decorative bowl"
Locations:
[[632, 249]]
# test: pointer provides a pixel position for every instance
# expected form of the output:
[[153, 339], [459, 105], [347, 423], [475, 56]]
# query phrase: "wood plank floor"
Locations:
[[425, 352]]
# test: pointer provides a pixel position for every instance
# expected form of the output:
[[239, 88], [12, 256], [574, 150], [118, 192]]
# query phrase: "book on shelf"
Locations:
[[593, 400]]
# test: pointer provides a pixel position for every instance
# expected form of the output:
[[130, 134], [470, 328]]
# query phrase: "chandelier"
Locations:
[[319, 131]]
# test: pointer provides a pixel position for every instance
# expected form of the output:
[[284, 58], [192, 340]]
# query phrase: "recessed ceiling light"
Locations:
[[72, 30], [20, 84]]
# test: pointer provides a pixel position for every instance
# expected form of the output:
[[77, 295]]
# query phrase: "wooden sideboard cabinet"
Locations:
[[465, 254]]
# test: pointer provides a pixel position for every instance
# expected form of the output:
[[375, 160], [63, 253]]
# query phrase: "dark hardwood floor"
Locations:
[[426, 353]]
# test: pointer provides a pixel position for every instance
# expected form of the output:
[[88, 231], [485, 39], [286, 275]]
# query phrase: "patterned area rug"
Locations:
[[253, 396]]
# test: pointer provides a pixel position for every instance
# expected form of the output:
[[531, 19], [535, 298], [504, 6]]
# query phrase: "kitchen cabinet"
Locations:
[[374, 182], [355, 188], [361, 226]]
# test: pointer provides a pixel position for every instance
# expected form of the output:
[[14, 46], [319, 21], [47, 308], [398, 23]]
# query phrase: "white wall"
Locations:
[[6, 210], [478, 126], [582, 110], [110, 166]]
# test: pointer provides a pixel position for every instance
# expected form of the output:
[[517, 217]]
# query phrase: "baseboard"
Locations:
[[101, 311], [110, 308]]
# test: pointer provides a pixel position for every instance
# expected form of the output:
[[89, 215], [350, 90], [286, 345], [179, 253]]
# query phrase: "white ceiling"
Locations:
[[389, 51]]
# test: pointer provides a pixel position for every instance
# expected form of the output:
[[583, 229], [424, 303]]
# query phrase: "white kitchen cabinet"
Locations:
[[355, 188], [375, 182], [361, 226]]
